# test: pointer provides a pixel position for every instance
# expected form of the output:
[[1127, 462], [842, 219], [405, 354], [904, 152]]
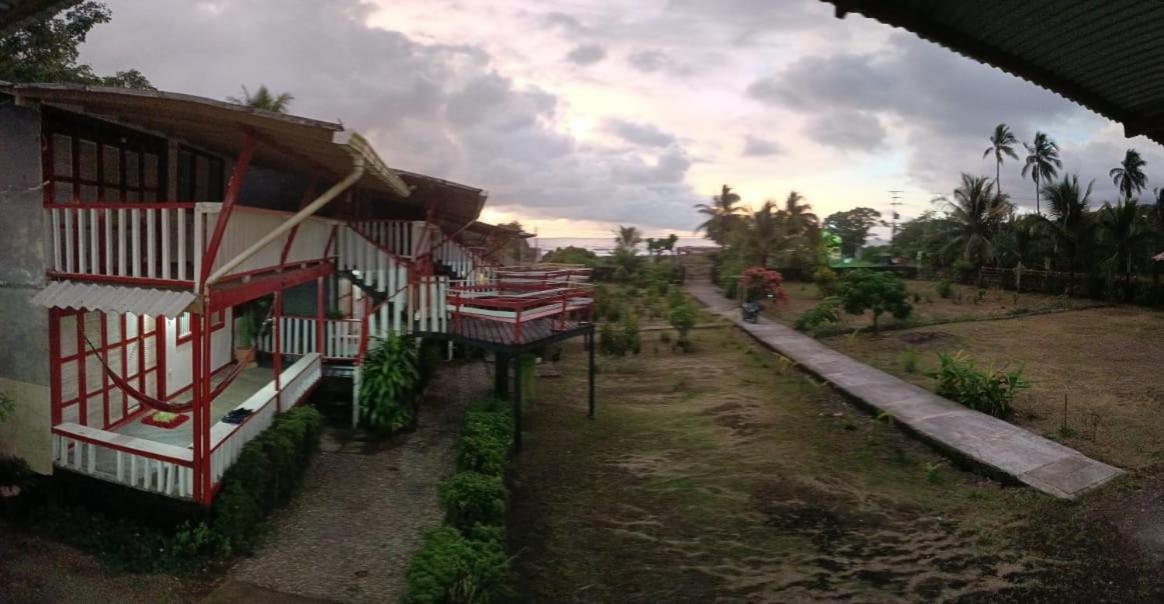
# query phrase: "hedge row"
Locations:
[[268, 471], [465, 561]]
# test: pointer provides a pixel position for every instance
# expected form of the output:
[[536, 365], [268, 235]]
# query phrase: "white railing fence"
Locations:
[[430, 306], [398, 237], [300, 335], [131, 240], [377, 268], [136, 462], [227, 440]]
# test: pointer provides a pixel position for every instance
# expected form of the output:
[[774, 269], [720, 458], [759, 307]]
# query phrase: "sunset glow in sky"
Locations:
[[579, 115]]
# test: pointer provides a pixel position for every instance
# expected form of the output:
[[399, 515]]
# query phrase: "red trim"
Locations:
[[120, 279], [160, 358], [306, 199], [82, 370], [55, 363], [204, 336], [105, 375], [277, 355], [236, 177], [77, 204], [119, 447], [236, 293], [320, 325], [199, 426]]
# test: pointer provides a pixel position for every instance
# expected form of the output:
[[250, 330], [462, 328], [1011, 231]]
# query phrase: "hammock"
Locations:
[[162, 405]]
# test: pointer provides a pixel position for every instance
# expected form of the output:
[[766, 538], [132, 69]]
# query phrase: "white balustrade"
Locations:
[[135, 241], [136, 462]]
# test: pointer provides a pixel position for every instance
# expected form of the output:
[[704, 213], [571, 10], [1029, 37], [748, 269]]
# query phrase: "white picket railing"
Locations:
[[165, 241], [129, 240], [430, 305], [227, 440], [378, 268], [300, 335], [136, 462], [400, 237]]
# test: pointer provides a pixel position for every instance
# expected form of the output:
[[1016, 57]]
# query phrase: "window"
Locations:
[[183, 328], [200, 176], [90, 161]]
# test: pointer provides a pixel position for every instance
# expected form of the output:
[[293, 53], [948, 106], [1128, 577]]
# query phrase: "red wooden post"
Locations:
[[160, 355], [82, 370], [124, 363], [321, 323], [104, 374], [204, 319], [55, 364], [277, 354], [232, 190], [199, 400]]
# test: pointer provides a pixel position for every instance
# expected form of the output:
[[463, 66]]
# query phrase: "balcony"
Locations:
[[162, 244]]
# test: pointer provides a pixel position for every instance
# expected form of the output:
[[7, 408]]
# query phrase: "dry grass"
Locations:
[[1106, 361], [726, 475], [928, 307]]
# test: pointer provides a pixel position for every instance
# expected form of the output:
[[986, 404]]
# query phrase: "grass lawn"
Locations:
[[725, 475], [965, 303], [1104, 361]]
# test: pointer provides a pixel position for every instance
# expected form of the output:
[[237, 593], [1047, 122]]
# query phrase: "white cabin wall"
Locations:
[[179, 357]]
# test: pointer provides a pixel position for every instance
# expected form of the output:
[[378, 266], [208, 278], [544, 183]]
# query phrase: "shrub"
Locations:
[[827, 311], [615, 310], [944, 288], [610, 342], [964, 271], [991, 391], [683, 319], [470, 498], [909, 360], [390, 381], [675, 298], [485, 442], [760, 282], [863, 290], [632, 341], [825, 279], [450, 567]]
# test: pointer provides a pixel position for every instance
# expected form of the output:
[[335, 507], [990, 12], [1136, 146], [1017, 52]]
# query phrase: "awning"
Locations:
[[115, 299]]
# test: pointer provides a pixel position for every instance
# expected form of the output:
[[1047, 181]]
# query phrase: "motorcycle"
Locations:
[[750, 312]]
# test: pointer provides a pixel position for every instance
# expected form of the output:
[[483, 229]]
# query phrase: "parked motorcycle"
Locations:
[[750, 312]]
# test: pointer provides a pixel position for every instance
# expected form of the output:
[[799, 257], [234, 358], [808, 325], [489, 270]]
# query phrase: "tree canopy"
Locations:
[[852, 226], [46, 50], [264, 99]]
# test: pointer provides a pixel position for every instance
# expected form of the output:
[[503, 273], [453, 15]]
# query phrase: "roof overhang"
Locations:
[[117, 299], [1106, 56], [285, 141]]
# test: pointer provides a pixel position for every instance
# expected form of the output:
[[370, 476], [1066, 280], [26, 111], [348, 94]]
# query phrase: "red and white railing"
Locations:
[[517, 303], [543, 274], [430, 307], [227, 440], [163, 243], [133, 241], [135, 462], [377, 266], [301, 335]]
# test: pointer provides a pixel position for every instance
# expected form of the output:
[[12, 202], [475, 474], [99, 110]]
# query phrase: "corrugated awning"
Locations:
[[115, 299]]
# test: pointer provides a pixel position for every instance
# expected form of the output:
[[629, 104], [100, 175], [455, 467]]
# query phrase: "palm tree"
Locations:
[[978, 213], [1129, 177], [1002, 142], [1070, 225], [723, 216], [764, 235], [799, 222], [627, 238], [263, 99], [1042, 162], [1122, 228]]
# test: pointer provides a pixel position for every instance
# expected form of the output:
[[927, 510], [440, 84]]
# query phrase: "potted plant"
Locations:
[[245, 329]]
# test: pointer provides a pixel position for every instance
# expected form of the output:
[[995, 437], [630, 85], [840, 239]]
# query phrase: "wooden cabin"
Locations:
[[147, 233]]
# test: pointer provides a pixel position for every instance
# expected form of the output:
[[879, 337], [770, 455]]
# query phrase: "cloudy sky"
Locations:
[[577, 115]]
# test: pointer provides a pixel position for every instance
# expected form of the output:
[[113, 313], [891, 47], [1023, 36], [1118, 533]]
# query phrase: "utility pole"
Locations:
[[895, 195]]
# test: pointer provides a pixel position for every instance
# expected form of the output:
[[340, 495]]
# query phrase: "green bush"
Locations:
[[965, 271], [390, 382], [610, 342], [485, 443], [676, 298], [450, 567], [470, 498], [631, 340], [683, 319], [825, 279], [909, 360], [827, 311], [944, 288], [863, 290], [615, 310], [991, 391]]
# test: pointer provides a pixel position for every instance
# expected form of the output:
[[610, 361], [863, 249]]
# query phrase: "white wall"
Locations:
[[179, 357]]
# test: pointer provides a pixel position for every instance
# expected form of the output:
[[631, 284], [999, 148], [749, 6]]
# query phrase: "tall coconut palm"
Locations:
[[977, 212], [1002, 142], [1042, 162], [1129, 177], [1070, 225], [1122, 228], [627, 238], [764, 235], [264, 99], [801, 223], [723, 216]]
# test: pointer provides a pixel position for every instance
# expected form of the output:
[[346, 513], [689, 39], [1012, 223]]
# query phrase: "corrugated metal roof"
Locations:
[[115, 299], [1107, 56]]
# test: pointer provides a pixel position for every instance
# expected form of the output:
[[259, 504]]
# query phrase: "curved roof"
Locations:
[[285, 141], [1107, 56]]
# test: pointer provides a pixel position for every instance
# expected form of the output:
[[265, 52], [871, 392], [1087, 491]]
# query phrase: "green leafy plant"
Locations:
[[933, 472], [389, 385], [610, 341], [944, 289], [909, 360], [878, 293], [826, 281], [7, 406], [683, 319], [991, 391], [485, 441], [632, 341], [452, 567], [825, 312], [470, 498]]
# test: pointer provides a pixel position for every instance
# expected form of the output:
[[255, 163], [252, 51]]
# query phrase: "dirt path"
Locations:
[[349, 534], [723, 476]]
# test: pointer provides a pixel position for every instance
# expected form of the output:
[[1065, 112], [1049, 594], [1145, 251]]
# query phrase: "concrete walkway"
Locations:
[[986, 441]]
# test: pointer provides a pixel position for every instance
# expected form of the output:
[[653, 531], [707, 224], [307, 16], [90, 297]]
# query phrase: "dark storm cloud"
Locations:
[[758, 147], [586, 54], [641, 134], [439, 109], [847, 130]]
